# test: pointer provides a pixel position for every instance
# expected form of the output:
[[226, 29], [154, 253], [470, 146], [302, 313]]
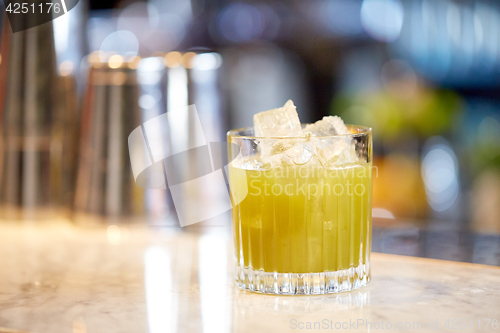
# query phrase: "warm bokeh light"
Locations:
[[173, 59], [66, 68], [115, 61], [114, 235], [134, 62], [94, 57], [188, 59]]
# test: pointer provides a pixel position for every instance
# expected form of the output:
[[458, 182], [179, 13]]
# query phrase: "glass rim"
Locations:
[[362, 131]]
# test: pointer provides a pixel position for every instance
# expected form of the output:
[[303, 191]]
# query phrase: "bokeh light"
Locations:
[[115, 61], [240, 22], [121, 42], [342, 17], [382, 19], [173, 59], [399, 78], [149, 71], [139, 18], [207, 61], [66, 68], [188, 59], [169, 34], [114, 235], [147, 101], [440, 174]]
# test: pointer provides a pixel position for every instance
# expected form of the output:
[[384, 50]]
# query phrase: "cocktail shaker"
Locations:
[[124, 95], [105, 189], [32, 138], [194, 79]]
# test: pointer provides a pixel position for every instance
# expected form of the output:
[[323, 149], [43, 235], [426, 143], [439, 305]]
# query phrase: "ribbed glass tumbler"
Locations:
[[302, 222]]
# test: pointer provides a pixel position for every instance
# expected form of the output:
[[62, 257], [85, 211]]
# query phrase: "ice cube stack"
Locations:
[[305, 145]]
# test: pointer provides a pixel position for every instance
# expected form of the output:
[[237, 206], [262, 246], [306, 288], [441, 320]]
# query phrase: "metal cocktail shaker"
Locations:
[[105, 188], [123, 95], [33, 145]]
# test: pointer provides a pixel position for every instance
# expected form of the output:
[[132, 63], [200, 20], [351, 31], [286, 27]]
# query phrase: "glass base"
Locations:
[[302, 283]]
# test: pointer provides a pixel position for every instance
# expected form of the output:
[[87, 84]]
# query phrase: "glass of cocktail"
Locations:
[[303, 221]]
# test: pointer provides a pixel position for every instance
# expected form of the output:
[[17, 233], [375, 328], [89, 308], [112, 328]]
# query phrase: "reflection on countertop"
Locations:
[[58, 278], [443, 243]]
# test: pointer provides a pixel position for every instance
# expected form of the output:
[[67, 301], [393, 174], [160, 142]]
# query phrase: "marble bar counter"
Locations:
[[57, 278]]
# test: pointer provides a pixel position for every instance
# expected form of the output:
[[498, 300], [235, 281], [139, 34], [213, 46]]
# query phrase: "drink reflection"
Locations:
[[213, 278], [252, 312], [161, 302], [245, 303], [189, 286], [170, 300]]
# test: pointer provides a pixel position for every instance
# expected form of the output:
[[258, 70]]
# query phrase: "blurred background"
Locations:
[[424, 74]]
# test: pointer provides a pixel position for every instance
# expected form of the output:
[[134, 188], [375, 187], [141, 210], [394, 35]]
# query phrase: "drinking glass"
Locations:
[[302, 223]]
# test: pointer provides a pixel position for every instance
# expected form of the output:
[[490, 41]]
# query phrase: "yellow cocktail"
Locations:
[[302, 229]]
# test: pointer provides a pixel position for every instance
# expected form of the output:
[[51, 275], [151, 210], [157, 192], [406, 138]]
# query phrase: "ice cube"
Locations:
[[301, 152], [336, 150], [296, 151], [329, 125], [282, 121], [247, 163], [304, 146]]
